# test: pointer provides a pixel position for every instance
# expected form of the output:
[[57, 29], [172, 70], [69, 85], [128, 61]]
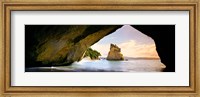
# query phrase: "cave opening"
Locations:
[[132, 42], [134, 46], [61, 45]]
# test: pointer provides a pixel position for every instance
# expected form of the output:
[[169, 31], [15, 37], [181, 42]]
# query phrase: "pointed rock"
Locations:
[[115, 53]]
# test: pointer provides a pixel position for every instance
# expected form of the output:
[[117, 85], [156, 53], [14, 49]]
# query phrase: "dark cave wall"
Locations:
[[164, 37], [47, 45]]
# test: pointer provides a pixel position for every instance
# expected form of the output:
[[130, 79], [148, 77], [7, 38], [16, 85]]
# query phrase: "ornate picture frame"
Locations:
[[124, 91]]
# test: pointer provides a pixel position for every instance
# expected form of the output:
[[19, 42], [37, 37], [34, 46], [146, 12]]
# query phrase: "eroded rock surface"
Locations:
[[48, 45], [115, 53]]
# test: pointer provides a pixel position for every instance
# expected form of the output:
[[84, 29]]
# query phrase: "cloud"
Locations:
[[133, 49], [130, 49]]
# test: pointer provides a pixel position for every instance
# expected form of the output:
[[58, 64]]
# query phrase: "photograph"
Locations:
[[100, 48]]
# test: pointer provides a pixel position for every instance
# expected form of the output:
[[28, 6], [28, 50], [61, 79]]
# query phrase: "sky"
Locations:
[[132, 42]]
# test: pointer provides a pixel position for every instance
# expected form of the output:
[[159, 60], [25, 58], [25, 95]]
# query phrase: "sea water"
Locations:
[[103, 65]]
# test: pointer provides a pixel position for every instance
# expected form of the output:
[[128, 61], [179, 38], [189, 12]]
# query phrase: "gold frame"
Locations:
[[10, 91]]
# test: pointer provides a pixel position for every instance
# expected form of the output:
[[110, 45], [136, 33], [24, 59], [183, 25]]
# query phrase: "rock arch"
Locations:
[[63, 44]]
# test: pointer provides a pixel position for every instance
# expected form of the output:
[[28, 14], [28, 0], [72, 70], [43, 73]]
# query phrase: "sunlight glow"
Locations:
[[132, 42]]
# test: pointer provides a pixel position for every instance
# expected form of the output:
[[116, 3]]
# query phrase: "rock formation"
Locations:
[[115, 53], [63, 44], [47, 45], [93, 54]]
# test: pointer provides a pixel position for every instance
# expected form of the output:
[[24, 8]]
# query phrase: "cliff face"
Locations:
[[47, 45], [115, 53]]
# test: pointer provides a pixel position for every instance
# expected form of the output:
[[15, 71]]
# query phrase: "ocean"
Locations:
[[103, 65]]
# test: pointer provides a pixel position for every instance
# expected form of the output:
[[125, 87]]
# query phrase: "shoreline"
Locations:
[[132, 58]]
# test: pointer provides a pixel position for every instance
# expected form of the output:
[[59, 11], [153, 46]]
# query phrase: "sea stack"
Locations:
[[115, 53]]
